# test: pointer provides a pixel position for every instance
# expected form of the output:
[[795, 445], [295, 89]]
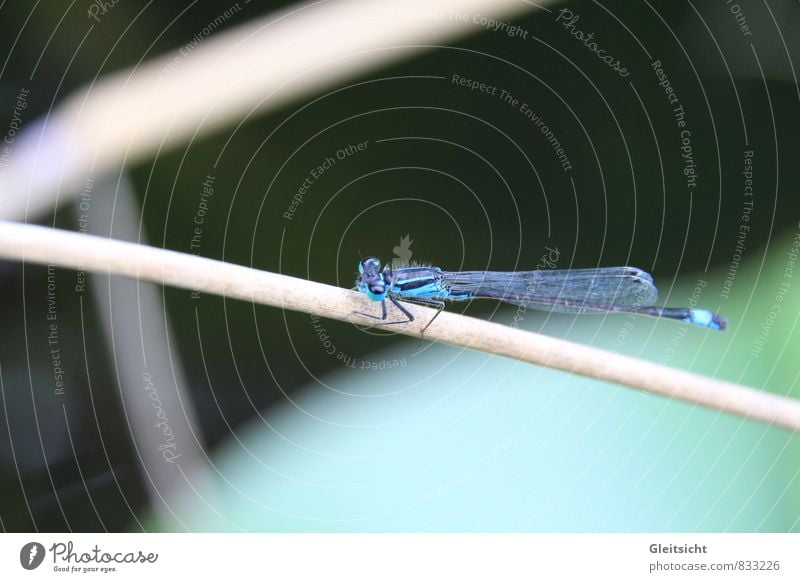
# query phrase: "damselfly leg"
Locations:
[[409, 317]]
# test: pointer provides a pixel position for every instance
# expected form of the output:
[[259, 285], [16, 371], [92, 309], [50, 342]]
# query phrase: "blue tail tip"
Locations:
[[705, 318], [722, 322]]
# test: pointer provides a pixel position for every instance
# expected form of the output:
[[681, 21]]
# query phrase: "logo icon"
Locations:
[[31, 555], [403, 251]]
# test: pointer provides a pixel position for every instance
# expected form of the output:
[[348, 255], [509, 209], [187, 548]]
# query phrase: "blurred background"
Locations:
[[568, 134]]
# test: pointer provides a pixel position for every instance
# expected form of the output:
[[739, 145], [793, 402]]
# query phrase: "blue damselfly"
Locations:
[[602, 290]]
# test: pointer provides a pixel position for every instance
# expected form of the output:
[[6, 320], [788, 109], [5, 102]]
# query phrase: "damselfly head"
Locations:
[[369, 265], [370, 280]]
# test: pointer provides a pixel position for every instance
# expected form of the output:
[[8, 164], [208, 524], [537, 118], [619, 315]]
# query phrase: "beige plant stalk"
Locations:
[[36, 244]]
